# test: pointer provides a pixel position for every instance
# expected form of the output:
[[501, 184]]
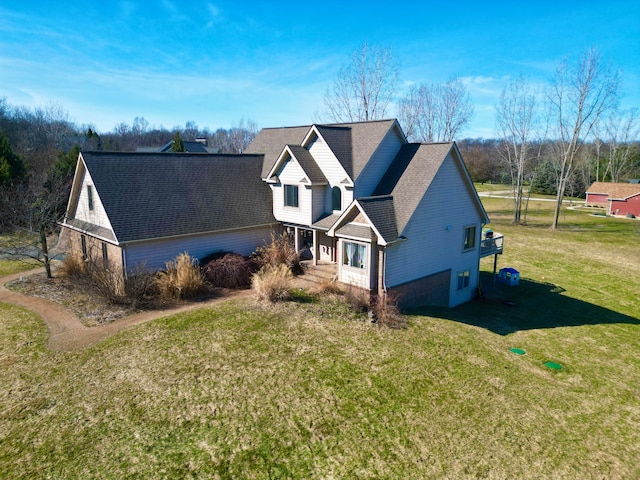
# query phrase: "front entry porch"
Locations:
[[312, 244]]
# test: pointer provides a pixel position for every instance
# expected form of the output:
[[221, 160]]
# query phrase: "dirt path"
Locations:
[[66, 331]]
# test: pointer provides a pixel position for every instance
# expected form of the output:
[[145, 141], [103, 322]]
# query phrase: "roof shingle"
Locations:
[[159, 195]]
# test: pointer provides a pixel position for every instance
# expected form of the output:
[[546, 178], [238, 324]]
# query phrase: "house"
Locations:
[[391, 215], [133, 209], [616, 198]]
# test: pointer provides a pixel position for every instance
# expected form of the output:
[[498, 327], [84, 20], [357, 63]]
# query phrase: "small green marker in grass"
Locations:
[[553, 365], [517, 351]]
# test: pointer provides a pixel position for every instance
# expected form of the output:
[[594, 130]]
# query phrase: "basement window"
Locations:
[[83, 242], [463, 279]]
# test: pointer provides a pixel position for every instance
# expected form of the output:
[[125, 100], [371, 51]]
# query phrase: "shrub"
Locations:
[[279, 251], [385, 312], [139, 285], [230, 271], [181, 278], [72, 266], [328, 286], [272, 283], [359, 299]]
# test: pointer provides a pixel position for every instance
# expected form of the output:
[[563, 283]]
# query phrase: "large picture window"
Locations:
[[291, 196], [354, 255], [469, 238]]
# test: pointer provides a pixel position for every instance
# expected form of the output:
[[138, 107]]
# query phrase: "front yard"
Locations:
[[306, 390]]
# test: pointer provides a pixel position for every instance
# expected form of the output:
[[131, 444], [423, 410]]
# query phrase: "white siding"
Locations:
[[327, 162], [379, 164], [155, 253], [319, 202], [435, 234], [97, 216], [290, 174]]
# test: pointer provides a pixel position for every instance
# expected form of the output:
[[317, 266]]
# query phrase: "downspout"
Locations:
[[124, 261]]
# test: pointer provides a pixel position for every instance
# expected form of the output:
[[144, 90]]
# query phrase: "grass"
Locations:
[[304, 389], [9, 267]]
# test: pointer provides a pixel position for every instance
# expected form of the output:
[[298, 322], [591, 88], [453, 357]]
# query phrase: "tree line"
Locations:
[[555, 138], [39, 150]]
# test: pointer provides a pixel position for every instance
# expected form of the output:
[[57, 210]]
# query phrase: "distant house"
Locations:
[[392, 216], [616, 198], [200, 145]]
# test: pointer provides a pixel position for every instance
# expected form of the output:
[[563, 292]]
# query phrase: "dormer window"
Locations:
[[336, 198], [291, 196]]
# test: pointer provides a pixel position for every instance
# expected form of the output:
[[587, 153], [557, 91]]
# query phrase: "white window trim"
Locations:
[[366, 259], [464, 235]]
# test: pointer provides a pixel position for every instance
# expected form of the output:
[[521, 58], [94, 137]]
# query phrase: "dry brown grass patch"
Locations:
[[181, 278], [272, 283]]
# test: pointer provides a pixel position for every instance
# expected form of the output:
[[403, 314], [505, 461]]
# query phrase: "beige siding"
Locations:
[[290, 174], [97, 216], [379, 164], [155, 253], [435, 234]]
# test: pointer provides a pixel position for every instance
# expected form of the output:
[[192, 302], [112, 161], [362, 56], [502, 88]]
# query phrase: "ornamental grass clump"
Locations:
[[181, 278], [280, 250], [272, 283]]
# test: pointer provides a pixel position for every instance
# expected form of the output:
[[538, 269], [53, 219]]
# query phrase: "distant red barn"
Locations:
[[617, 198]]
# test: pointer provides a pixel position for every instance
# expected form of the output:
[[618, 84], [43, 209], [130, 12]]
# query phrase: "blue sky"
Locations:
[[216, 62]]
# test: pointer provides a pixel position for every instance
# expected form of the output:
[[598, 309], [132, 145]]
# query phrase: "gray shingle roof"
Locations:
[[356, 231], [326, 222], [409, 177], [271, 142], [381, 212], [308, 164], [339, 141], [353, 152], [158, 195]]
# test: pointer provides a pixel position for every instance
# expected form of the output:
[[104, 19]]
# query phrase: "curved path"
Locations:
[[66, 331]]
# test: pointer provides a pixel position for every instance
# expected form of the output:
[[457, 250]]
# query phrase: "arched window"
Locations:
[[336, 198]]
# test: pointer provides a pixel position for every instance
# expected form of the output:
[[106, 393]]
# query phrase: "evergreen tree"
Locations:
[[177, 145], [12, 167]]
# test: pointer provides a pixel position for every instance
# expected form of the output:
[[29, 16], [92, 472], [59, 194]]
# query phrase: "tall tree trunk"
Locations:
[[45, 252]]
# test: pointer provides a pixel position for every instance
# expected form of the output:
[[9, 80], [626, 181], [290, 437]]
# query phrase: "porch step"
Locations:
[[315, 274]]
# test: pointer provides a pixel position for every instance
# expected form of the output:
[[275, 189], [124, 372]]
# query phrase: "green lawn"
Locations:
[[8, 267], [304, 390]]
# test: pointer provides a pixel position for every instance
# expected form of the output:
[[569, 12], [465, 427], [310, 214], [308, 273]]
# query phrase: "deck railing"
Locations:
[[492, 245]]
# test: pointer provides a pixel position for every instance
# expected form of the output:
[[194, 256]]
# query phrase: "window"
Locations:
[[90, 196], [336, 198], [469, 238], [463, 279], [105, 253], [83, 241], [291, 196], [354, 255]]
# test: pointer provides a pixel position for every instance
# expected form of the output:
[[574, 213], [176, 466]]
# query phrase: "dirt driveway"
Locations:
[[66, 332]]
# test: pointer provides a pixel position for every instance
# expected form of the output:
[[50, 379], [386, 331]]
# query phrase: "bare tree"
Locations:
[[516, 123], [579, 95], [622, 129], [364, 87], [435, 113]]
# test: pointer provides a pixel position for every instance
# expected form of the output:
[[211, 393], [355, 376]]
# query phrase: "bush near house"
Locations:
[[181, 278], [272, 283], [228, 270], [278, 251]]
